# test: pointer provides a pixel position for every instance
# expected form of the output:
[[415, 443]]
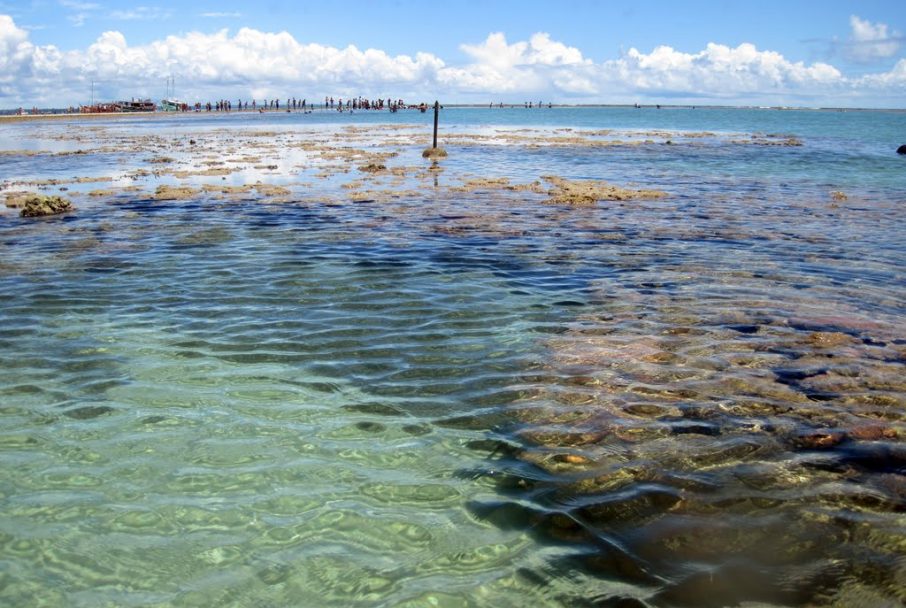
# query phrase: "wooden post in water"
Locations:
[[434, 152], [436, 113]]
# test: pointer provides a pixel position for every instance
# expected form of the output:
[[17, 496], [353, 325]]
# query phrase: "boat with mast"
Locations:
[[170, 103]]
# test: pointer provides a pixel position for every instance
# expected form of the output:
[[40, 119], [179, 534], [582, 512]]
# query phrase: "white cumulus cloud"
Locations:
[[539, 65], [893, 81], [251, 63], [871, 41], [719, 71], [16, 52]]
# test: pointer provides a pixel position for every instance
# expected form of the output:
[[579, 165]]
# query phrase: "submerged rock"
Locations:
[[16, 199], [869, 431], [829, 339], [818, 438], [38, 206]]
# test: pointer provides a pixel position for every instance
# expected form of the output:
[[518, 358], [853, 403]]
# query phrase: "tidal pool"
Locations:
[[438, 384]]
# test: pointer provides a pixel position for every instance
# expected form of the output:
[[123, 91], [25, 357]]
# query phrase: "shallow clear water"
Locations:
[[465, 398]]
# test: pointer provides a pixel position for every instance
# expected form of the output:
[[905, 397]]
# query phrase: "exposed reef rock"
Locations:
[[173, 193], [38, 206], [568, 192], [373, 168], [434, 153]]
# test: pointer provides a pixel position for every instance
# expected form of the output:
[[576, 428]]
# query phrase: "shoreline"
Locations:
[[12, 118]]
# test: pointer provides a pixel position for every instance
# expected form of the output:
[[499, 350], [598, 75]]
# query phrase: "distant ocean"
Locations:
[[331, 373]]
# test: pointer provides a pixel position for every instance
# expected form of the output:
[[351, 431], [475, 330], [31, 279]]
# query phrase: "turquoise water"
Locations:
[[459, 397]]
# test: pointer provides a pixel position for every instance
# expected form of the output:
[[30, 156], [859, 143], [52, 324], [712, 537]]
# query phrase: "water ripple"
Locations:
[[690, 401]]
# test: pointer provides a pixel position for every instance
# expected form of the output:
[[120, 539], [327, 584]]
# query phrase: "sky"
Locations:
[[59, 53]]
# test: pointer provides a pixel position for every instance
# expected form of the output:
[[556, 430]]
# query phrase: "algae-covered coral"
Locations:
[[39, 205]]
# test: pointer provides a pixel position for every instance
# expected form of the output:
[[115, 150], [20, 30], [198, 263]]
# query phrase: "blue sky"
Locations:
[[789, 53]]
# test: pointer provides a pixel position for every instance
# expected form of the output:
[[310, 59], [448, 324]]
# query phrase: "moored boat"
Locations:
[[140, 105], [135, 105], [173, 105]]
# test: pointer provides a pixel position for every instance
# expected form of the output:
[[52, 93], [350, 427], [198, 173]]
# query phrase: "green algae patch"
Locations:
[[589, 192], [39, 206]]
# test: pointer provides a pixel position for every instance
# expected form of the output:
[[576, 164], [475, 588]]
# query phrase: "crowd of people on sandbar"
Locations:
[[290, 104], [525, 104], [294, 104]]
